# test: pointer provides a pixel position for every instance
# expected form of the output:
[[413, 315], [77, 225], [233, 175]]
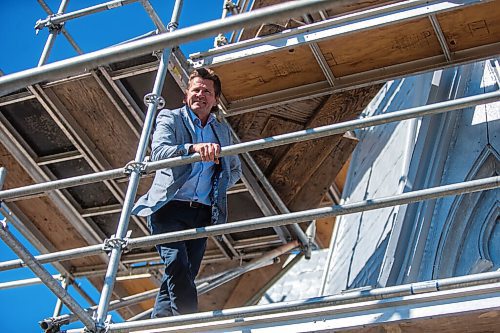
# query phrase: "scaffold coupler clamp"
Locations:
[[231, 6], [311, 235], [134, 166], [100, 327], [158, 54], [171, 26], [116, 243], [156, 99], [50, 325], [307, 250], [53, 27], [220, 40]]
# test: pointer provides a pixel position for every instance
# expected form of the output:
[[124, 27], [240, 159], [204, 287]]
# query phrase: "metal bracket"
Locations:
[[134, 166], [116, 243], [156, 99]]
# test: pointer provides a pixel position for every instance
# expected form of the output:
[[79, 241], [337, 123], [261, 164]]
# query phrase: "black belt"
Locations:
[[189, 204]]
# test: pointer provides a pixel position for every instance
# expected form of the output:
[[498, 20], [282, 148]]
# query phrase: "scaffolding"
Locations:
[[96, 318]]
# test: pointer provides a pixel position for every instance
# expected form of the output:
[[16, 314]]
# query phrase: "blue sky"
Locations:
[[22, 308], [21, 48]]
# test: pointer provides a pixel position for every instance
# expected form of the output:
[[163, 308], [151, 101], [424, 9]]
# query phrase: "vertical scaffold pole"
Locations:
[[154, 101], [3, 173], [57, 309], [52, 36]]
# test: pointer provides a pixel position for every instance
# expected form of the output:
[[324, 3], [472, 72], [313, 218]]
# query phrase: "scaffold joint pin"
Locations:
[[134, 166], [116, 243], [154, 99]]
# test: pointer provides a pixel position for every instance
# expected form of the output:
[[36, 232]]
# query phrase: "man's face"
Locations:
[[200, 96]]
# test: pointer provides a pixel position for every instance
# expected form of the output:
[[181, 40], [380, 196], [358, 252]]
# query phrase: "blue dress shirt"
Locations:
[[199, 183]]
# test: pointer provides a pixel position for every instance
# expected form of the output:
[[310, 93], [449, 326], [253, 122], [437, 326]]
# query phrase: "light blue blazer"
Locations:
[[173, 133]]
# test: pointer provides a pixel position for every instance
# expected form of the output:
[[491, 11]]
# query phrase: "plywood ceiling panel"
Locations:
[[471, 27], [269, 73], [88, 104], [389, 45]]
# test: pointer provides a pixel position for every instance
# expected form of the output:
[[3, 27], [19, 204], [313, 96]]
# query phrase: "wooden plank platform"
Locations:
[[368, 42]]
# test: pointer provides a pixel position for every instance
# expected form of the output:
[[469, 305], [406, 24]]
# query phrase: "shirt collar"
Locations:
[[196, 121]]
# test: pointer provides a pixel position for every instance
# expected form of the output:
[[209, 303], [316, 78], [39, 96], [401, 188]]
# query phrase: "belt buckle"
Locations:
[[194, 204]]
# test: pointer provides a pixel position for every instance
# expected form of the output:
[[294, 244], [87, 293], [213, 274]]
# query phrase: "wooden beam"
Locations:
[[316, 186], [287, 177], [312, 193]]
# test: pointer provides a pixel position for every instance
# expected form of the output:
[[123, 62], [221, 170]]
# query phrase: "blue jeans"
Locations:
[[182, 259]]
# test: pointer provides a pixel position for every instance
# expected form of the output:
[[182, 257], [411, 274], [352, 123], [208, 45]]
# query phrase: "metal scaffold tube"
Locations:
[[59, 304], [3, 174], [278, 140], [24, 282], [284, 219], [45, 276], [254, 264], [311, 303], [63, 183], [78, 64], [56, 256], [154, 101], [61, 18]]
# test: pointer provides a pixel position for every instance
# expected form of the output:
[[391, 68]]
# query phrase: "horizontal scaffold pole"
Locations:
[[82, 63], [276, 220], [489, 279], [61, 18], [24, 282], [278, 140]]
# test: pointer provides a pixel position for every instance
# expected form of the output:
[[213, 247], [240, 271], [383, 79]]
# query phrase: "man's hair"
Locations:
[[207, 74]]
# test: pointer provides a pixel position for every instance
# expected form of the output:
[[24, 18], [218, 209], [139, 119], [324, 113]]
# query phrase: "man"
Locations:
[[188, 196]]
